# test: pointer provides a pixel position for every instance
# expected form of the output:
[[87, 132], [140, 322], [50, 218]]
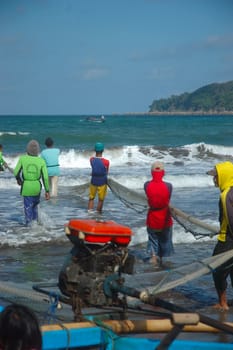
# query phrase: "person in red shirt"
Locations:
[[98, 185], [159, 220]]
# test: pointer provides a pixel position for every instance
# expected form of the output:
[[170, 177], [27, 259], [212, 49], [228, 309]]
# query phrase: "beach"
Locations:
[[188, 147]]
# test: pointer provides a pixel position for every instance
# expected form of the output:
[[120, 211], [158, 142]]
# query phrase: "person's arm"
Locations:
[[2, 161], [17, 172], [106, 163], [145, 185], [45, 180], [229, 209]]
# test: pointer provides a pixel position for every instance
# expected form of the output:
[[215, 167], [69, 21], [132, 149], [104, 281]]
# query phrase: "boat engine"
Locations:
[[100, 249]]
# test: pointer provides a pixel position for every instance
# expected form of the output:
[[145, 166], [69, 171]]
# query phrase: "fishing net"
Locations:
[[138, 202], [163, 281], [155, 282], [132, 199]]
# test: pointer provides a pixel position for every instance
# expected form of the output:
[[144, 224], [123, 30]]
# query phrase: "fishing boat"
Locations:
[[89, 336], [93, 281], [96, 119]]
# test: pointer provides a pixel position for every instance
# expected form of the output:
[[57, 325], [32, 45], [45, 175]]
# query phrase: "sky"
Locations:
[[94, 57]]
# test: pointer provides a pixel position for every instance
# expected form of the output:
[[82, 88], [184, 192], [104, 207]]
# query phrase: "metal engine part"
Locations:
[[86, 268]]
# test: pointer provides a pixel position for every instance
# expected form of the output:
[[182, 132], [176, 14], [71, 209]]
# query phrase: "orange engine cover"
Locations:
[[94, 231]]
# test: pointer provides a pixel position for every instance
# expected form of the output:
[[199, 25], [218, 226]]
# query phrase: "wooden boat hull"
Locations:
[[87, 334]]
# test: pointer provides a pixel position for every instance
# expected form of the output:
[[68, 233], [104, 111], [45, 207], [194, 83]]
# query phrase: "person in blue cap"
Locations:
[[98, 184]]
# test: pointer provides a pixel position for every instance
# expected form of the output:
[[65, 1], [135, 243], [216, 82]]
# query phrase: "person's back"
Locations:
[[159, 220], [100, 168], [19, 329], [158, 195], [31, 168], [51, 157], [29, 171]]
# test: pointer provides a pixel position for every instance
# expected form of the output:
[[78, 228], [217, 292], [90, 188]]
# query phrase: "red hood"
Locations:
[[158, 175]]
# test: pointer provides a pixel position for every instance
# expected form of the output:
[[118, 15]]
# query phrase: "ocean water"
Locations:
[[188, 145]]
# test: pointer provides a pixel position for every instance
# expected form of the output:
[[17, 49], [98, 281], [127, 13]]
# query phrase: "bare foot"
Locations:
[[221, 307], [154, 260]]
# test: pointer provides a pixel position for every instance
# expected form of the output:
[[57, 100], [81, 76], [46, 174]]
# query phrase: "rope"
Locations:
[[54, 299], [68, 334], [108, 333]]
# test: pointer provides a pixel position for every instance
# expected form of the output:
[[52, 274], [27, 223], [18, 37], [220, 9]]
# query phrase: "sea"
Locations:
[[189, 146]]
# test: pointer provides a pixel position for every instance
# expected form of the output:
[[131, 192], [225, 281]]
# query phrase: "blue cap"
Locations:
[[99, 147]]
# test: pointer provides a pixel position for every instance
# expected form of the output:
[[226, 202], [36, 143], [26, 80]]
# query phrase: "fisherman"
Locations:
[[98, 185], [29, 170], [51, 157], [159, 220], [223, 178]]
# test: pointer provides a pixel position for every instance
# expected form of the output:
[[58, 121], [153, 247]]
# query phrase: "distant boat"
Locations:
[[96, 119]]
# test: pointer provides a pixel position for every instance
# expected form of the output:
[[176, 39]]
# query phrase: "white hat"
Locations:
[[157, 166]]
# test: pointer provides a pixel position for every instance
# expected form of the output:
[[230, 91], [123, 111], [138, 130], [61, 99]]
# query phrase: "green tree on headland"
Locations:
[[216, 97]]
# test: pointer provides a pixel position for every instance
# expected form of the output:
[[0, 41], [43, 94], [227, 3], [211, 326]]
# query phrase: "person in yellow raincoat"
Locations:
[[223, 178]]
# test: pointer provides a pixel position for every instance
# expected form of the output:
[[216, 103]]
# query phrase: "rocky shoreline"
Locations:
[[198, 113]]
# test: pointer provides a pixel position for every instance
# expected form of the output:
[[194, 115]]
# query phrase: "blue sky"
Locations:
[[109, 56]]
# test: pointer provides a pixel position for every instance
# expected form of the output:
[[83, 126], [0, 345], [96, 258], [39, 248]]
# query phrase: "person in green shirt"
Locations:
[[3, 164], [30, 170]]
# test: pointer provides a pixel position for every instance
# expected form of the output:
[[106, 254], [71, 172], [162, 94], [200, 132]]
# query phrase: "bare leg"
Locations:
[[222, 305], [53, 185], [100, 205], [91, 204], [154, 260]]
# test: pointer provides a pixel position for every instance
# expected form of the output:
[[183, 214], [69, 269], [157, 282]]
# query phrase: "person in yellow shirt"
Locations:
[[223, 178], [99, 178]]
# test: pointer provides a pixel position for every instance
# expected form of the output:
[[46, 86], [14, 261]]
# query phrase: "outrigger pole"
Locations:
[[114, 283]]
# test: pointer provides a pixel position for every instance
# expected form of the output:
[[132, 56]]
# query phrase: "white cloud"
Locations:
[[94, 73], [161, 73]]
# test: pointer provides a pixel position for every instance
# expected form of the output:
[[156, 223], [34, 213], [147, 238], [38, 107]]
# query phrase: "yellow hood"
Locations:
[[225, 175]]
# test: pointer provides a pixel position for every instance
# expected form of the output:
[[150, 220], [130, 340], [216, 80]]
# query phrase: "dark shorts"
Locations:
[[221, 274]]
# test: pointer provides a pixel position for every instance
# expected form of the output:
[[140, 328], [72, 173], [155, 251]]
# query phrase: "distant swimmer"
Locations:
[[98, 185]]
